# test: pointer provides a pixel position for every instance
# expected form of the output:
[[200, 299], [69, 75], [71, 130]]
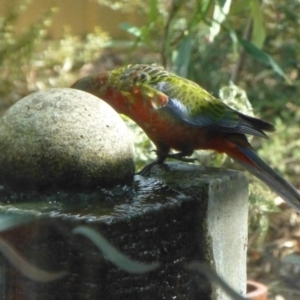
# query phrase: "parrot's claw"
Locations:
[[147, 169]]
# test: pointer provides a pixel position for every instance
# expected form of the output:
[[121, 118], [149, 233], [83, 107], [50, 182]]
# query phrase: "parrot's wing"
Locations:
[[189, 102], [198, 108]]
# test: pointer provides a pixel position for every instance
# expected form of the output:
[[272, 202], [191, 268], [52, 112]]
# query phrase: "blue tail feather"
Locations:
[[270, 177]]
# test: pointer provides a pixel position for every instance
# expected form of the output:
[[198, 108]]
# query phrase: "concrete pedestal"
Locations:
[[181, 213], [223, 218]]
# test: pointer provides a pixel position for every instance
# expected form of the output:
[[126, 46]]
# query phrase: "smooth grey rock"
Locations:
[[64, 138]]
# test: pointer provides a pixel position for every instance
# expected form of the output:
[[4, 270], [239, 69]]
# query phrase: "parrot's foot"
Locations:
[[147, 169], [180, 156], [160, 159]]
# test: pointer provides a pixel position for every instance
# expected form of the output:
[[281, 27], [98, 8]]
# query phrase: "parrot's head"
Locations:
[[92, 83], [106, 86]]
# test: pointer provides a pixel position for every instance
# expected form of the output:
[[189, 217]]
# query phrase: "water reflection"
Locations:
[[100, 204]]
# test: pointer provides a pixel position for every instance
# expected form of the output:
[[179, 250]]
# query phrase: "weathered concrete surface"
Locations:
[[180, 214], [225, 220], [227, 226], [64, 138]]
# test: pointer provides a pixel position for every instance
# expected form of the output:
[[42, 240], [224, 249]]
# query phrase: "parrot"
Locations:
[[179, 115]]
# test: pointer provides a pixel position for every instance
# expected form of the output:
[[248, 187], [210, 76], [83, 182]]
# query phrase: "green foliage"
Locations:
[[175, 28], [236, 98], [261, 203], [203, 40], [30, 62], [14, 47], [143, 146], [16, 51], [124, 5], [72, 51], [55, 60]]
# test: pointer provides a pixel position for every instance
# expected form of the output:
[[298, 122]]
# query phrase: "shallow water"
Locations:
[[118, 202]]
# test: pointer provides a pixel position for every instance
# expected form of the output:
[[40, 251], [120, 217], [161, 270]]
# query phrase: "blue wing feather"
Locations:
[[205, 120], [220, 118]]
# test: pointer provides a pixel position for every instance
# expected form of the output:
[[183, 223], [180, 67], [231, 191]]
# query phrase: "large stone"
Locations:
[[64, 138]]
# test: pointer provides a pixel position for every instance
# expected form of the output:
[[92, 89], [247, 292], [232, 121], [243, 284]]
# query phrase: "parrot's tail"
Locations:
[[256, 166]]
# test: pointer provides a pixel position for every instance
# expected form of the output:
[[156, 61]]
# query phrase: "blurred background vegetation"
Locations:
[[252, 44]]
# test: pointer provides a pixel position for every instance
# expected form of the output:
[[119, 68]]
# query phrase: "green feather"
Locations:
[[187, 100]]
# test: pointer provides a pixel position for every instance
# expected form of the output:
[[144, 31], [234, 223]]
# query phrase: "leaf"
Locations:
[[258, 32], [203, 6], [153, 10], [221, 10], [136, 31], [235, 41], [113, 255], [181, 57], [263, 57]]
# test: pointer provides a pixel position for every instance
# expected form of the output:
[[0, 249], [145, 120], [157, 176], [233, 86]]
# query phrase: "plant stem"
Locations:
[[242, 56], [165, 55]]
